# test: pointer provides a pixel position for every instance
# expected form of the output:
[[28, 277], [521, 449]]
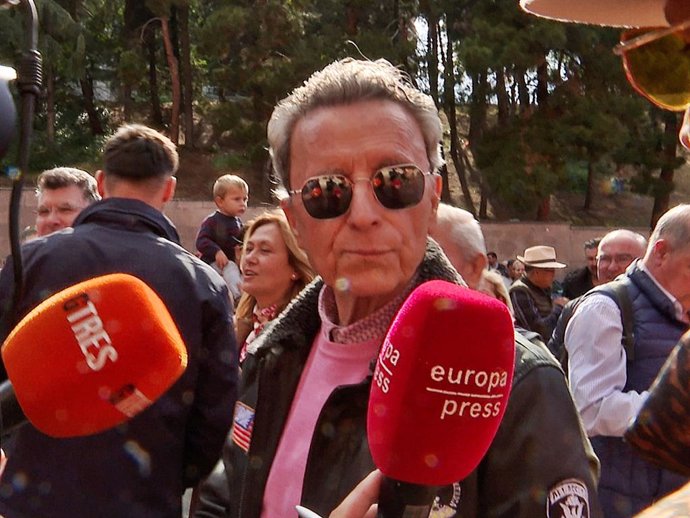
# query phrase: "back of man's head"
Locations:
[[461, 239], [668, 253], [138, 153]]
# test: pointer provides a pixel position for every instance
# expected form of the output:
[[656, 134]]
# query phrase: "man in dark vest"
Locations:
[[608, 386], [533, 304]]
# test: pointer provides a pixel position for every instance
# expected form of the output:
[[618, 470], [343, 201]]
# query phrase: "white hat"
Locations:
[[617, 13], [540, 257]]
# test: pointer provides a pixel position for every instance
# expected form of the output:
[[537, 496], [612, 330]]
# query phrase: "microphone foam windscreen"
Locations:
[[441, 384], [93, 355]]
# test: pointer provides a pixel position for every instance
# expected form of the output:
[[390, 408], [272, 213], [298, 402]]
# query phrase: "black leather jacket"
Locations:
[[540, 444]]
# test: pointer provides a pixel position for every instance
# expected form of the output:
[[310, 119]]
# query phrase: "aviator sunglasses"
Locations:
[[395, 187], [657, 64]]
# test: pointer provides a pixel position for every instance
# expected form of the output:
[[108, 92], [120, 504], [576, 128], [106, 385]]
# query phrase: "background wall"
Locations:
[[507, 239]]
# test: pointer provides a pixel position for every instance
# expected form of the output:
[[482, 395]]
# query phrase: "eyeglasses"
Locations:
[[657, 64], [395, 187], [618, 258]]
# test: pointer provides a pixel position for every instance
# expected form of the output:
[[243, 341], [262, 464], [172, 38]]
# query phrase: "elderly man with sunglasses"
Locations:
[[357, 147]]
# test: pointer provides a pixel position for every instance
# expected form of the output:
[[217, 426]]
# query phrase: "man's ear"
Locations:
[[100, 182], [480, 262], [169, 192]]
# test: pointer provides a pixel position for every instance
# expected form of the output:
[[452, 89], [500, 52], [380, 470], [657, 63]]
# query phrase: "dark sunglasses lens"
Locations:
[[399, 187], [327, 197], [660, 70]]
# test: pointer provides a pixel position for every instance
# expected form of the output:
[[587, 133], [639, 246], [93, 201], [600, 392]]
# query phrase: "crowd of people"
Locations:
[[284, 316]]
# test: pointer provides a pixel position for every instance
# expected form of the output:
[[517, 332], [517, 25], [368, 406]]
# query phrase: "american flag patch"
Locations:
[[243, 424]]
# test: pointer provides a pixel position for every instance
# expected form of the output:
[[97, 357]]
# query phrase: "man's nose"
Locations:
[[364, 205]]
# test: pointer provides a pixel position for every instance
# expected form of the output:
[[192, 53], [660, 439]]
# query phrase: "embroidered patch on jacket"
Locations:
[[243, 424], [568, 499], [447, 502]]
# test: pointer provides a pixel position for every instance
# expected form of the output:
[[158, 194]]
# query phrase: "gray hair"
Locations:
[[462, 229], [345, 82], [61, 177]]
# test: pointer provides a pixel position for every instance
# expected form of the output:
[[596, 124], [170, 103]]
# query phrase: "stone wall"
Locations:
[[507, 239]]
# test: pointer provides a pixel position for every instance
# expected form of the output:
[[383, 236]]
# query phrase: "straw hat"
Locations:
[[540, 257], [617, 13]]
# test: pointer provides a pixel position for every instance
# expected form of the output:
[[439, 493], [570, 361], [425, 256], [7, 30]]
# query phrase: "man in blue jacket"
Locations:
[[141, 468]]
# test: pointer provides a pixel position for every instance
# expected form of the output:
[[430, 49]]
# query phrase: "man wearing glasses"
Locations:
[[61, 194], [609, 388], [357, 148]]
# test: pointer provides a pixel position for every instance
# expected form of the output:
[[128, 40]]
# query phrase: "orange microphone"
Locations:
[[90, 357]]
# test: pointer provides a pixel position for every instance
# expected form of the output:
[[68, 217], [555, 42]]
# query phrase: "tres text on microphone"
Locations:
[[87, 326]]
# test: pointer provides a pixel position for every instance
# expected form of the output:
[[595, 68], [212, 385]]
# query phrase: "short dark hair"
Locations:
[[138, 153], [61, 177], [592, 243]]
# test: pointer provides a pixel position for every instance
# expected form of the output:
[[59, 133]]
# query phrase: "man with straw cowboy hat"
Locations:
[[534, 305]]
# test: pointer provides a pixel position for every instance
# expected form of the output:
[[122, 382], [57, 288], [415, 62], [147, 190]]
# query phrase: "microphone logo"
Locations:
[[87, 326]]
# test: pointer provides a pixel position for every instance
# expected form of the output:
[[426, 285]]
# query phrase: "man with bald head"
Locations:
[[611, 382], [617, 250]]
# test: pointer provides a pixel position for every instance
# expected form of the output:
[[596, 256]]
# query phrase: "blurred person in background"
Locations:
[[61, 194], [535, 307], [462, 240], [274, 270], [581, 280]]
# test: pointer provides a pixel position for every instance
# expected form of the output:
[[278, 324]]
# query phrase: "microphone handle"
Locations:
[[404, 500], [11, 414]]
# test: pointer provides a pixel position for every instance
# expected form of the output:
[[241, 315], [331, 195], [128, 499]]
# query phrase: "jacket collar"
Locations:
[[297, 325], [131, 214]]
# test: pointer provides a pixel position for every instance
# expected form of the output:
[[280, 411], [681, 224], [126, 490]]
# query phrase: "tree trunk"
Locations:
[[154, 96], [478, 109], [662, 195], [449, 96], [186, 72], [95, 124], [544, 209], [523, 92], [502, 97], [542, 83], [174, 82], [432, 50]]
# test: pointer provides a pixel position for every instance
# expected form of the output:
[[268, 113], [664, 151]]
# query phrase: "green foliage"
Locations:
[[522, 162], [131, 68], [230, 162], [566, 108]]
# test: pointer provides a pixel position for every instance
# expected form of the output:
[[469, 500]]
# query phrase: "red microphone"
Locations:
[[90, 357], [440, 390]]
